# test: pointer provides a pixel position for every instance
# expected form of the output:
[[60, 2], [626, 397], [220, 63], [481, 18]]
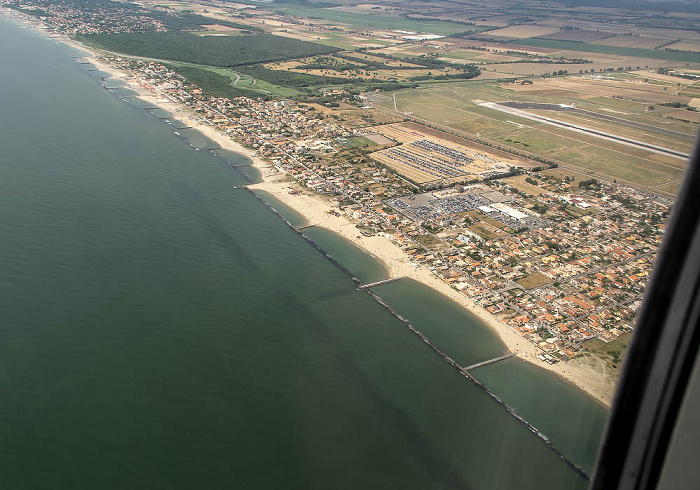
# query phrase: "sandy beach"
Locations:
[[586, 373]]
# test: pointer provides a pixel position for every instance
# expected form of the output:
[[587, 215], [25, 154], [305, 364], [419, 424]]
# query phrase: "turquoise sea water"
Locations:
[[163, 330]]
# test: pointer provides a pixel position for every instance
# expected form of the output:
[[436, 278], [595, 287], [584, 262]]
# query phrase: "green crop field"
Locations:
[[360, 142], [375, 21]]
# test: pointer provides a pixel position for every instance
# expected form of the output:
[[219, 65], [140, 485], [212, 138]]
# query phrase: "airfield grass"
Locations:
[[647, 136], [453, 106], [534, 140], [443, 107], [616, 165], [622, 105], [669, 188]]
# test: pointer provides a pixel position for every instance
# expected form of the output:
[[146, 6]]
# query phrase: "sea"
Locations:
[[162, 329]]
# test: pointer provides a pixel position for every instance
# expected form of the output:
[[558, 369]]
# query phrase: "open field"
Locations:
[[456, 44], [366, 67], [522, 31], [630, 89], [535, 280], [519, 183], [640, 42], [480, 56], [612, 352], [219, 30], [578, 35], [685, 46], [692, 116], [612, 50], [537, 139], [605, 162], [415, 49], [366, 20], [567, 173]]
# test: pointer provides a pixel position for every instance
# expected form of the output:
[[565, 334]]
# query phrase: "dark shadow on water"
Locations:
[[440, 469], [217, 230]]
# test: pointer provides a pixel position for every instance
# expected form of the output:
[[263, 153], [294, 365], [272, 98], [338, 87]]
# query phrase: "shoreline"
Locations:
[[314, 208]]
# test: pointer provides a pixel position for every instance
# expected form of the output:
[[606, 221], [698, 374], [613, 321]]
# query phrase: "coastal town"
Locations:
[[543, 251], [560, 262], [374, 245]]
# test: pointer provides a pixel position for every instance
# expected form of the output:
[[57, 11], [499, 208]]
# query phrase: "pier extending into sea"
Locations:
[[379, 283], [491, 361]]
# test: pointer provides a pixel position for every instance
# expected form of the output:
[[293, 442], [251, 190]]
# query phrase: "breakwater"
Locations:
[[463, 371]]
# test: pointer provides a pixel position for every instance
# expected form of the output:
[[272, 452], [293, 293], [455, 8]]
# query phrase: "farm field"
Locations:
[[685, 46], [605, 49], [640, 42], [578, 35], [522, 31]]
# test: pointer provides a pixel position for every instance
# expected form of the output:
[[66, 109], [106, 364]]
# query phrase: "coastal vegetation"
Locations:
[[225, 51], [188, 21], [214, 84], [289, 79]]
